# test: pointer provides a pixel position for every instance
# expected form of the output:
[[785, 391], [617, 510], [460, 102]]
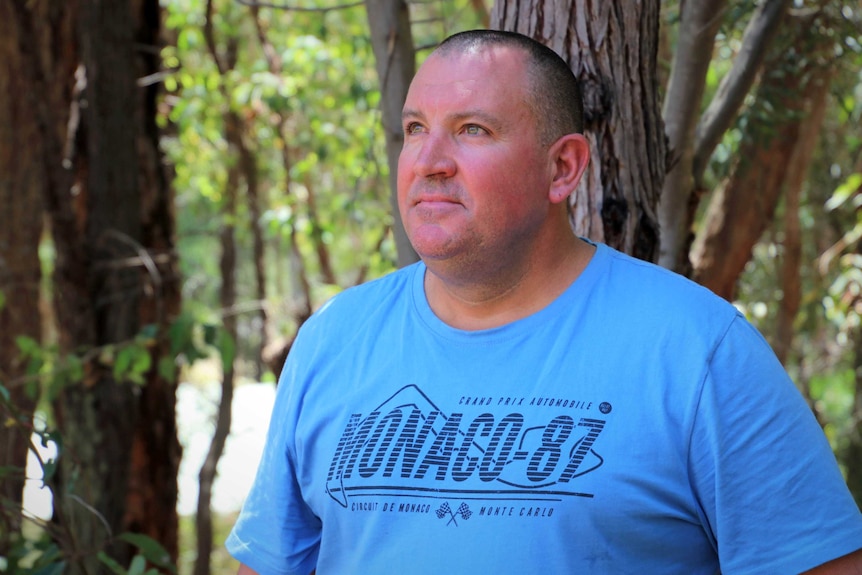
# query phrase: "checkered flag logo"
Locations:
[[463, 512]]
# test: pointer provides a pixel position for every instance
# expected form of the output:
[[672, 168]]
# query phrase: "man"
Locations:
[[523, 401]]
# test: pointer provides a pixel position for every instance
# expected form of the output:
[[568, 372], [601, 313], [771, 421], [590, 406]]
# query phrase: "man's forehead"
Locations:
[[477, 55], [461, 73]]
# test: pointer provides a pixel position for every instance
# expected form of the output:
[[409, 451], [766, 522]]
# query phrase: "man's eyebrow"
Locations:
[[480, 115], [484, 117], [410, 113]]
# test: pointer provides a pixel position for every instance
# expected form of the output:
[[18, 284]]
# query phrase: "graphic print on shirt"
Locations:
[[410, 456]]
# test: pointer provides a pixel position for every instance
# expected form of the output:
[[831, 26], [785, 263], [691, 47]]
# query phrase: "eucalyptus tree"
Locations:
[[611, 47], [94, 171]]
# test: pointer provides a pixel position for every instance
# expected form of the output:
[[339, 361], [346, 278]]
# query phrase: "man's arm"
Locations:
[[848, 565]]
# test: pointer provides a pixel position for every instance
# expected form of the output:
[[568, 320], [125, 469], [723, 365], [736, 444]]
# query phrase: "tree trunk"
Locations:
[[21, 183], [699, 22], [742, 208], [36, 72], [98, 416], [853, 455], [91, 127], [611, 47], [209, 469], [736, 85], [797, 169], [392, 42], [683, 187], [248, 163], [151, 503]]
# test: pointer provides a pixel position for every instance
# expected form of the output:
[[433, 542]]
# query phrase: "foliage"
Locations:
[[306, 89], [43, 549], [313, 128], [40, 554], [828, 323]]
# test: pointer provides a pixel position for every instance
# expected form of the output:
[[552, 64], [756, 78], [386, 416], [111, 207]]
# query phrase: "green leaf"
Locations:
[[211, 334], [52, 569], [180, 333], [151, 549], [27, 345], [845, 191], [123, 362], [167, 368], [111, 563], [138, 565]]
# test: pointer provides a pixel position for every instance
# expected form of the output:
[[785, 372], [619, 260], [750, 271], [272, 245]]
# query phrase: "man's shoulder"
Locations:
[[648, 296], [646, 279], [361, 302]]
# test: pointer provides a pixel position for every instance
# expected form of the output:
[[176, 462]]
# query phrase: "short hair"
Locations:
[[554, 92]]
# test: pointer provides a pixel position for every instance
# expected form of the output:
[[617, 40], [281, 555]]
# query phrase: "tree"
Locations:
[[394, 54], [119, 264], [155, 458], [693, 136], [24, 167], [744, 205], [611, 47], [100, 180]]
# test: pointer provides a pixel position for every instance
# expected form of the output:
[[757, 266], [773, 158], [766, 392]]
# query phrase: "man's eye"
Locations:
[[412, 128], [474, 130]]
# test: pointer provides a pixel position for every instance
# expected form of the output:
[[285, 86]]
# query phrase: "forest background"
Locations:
[[184, 182]]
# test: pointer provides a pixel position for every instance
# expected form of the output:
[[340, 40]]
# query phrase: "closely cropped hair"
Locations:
[[554, 92]]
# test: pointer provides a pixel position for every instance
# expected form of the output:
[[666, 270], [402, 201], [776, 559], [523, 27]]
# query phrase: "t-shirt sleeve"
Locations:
[[276, 532], [771, 494]]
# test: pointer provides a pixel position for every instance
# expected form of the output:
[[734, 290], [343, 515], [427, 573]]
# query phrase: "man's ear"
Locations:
[[570, 154]]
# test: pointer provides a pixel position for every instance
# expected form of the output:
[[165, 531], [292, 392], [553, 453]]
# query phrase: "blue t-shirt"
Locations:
[[637, 424]]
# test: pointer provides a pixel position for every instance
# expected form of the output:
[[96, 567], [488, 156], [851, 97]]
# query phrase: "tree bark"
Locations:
[[227, 266], [392, 42], [728, 99], [853, 454], [21, 183], [151, 503], [797, 169], [91, 125], [611, 46], [699, 23], [98, 416], [684, 187], [248, 164]]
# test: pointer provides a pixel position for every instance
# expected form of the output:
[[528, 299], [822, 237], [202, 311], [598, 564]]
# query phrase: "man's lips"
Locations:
[[435, 201], [434, 207], [434, 198]]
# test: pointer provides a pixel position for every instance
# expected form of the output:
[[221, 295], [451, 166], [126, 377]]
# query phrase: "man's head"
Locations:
[[554, 93], [485, 171]]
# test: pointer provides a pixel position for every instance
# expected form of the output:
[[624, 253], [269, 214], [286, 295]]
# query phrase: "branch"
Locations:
[[209, 37], [736, 84], [269, 52], [256, 4]]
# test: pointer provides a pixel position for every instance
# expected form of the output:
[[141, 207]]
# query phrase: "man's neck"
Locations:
[[507, 296]]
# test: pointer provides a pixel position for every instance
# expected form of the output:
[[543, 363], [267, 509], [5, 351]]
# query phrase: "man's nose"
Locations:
[[435, 157]]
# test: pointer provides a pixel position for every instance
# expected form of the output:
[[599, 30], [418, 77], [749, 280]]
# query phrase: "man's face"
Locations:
[[473, 179]]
